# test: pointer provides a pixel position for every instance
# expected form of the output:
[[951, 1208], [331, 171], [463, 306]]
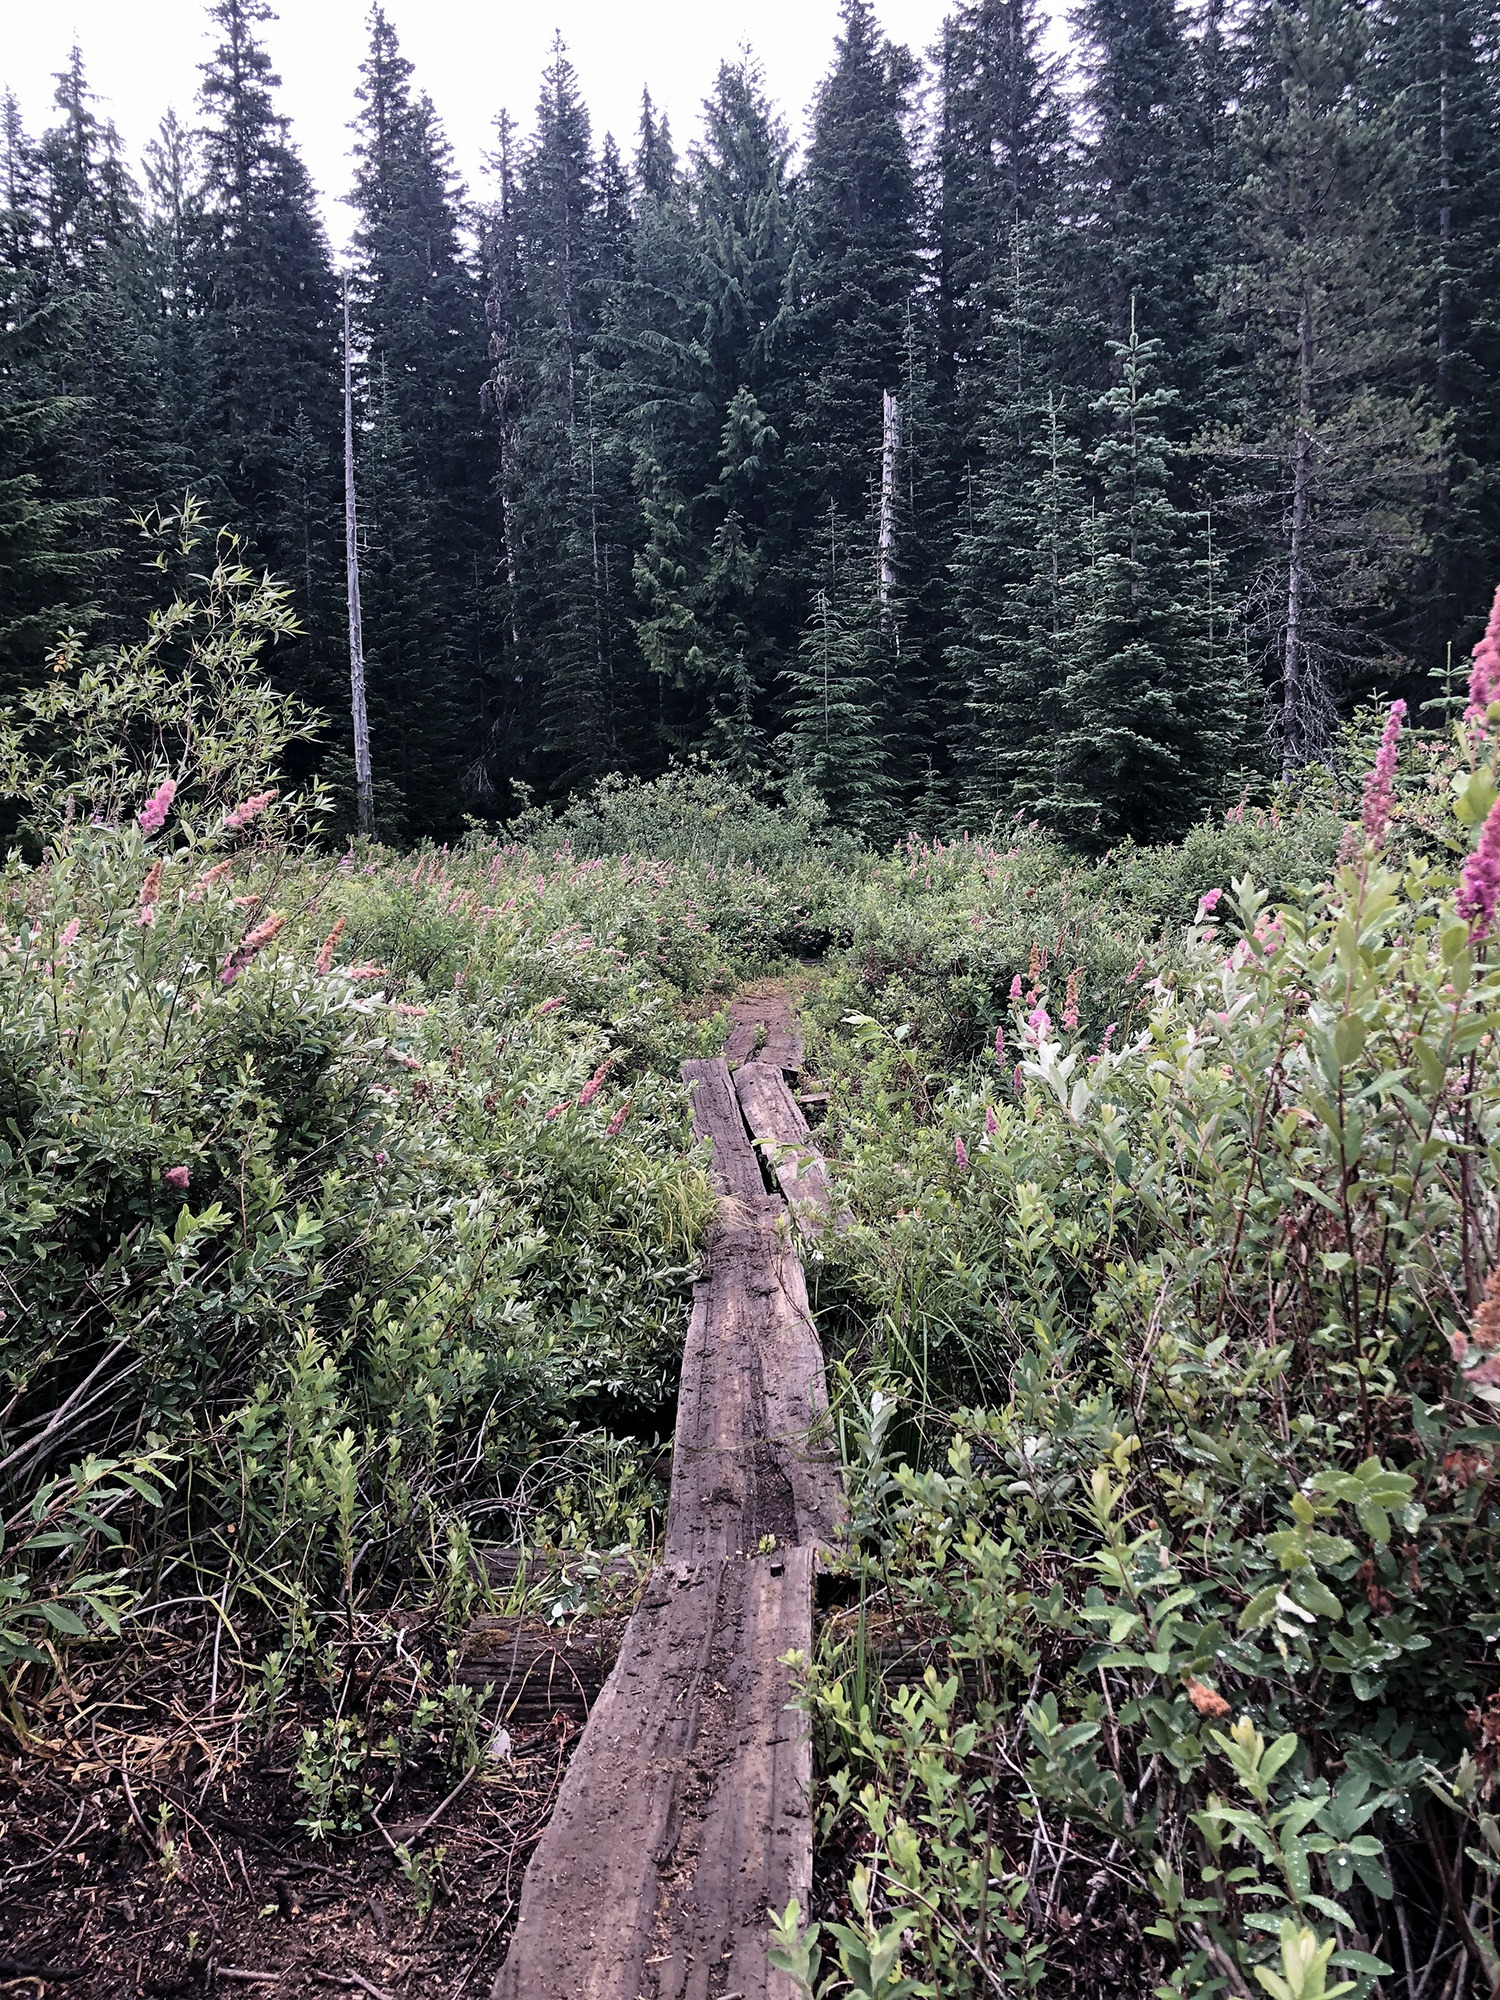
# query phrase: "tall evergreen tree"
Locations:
[[1146, 177], [419, 315], [1335, 457], [999, 153], [858, 270], [270, 344], [840, 685], [1154, 710], [1015, 562], [1441, 70]]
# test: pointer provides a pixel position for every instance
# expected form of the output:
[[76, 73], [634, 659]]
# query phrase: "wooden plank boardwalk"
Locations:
[[684, 1818]]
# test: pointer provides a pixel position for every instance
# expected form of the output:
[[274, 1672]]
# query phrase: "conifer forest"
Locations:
[[750, 1027]]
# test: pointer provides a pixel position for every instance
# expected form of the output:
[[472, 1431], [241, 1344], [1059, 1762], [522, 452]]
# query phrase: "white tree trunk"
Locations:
[[363, 785], [889, 454]]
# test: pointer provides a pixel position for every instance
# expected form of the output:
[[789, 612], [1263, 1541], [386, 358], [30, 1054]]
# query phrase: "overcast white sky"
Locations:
[[474, 57]]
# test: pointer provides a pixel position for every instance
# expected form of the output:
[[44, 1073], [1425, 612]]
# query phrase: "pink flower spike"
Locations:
[[1209, 903], [243, 814], [1484, 679], [960, 1152], [153, 815], [177, 1177], [1015, 1079], [69, 934], [616, 1124], [991, 1122], [556, 1112], [1379, 783], [1015, 987], [999, 1044], [548, 1005], [1135, 972], [1479, 886]]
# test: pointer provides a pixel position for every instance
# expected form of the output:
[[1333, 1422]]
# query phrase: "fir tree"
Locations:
[[1334, 457], [1014, 565], [839, 688], [1152, 713], [999, 153], [1146, 177], [267, 305], [858, 274]]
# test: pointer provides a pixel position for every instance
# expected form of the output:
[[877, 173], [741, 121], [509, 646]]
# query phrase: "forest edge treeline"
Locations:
[[1071, 434]]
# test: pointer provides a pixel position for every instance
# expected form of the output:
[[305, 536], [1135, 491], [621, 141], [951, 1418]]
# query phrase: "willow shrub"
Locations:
[[346, 1203], [1214, 1559]]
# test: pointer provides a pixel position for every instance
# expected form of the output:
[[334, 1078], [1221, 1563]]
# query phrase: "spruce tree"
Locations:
[[998, 157], [858, 271], [1016, 556], [419, 319], [266, 299], [840, 686], [1153, 712], [1145, 186], [1333, 458], [1438, 68]]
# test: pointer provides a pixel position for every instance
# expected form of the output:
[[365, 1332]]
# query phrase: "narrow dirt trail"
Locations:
[[684, 1818]]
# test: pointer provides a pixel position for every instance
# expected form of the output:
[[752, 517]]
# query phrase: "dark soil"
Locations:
[[149, 1836]]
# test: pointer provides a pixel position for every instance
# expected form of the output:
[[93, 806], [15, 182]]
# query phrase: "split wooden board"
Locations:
[[684, 1819]]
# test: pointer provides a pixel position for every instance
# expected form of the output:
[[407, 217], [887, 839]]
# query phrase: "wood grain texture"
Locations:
[[539, 1669], [717, 1117], [780, 1131], [684, 1821], [763, 1028], [684, 1817], [752, 1456]]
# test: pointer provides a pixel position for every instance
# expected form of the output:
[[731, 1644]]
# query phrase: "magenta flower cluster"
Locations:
[[1479, 886], [1484, 676], [153, 815], [252, 807], [1378, 785]]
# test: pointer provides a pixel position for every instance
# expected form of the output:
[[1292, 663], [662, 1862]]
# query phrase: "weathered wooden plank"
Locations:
[[684, 1816], [717, 1117], [780, 1132], [763, 1028], [538, 1669], [752, 1457]]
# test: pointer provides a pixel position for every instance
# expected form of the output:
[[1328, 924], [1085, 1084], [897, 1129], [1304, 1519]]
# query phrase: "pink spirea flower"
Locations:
[[1377, 801], [1015, 987], [556, 1112], [243, 814], [380, 1159], [153, 815], [595, 1083], [177, 1177], [548, 1005], [1135, 972], [1039, 1021], [999, 1043], [616, 1124], [991, 1122], [68, 934], [1479, 886], [1015, 1079], [960, 1151], [1209, 903], [250, 947], [1484, 677], [346, 862]]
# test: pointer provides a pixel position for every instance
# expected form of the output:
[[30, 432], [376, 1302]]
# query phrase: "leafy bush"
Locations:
[[1209, 1570]]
